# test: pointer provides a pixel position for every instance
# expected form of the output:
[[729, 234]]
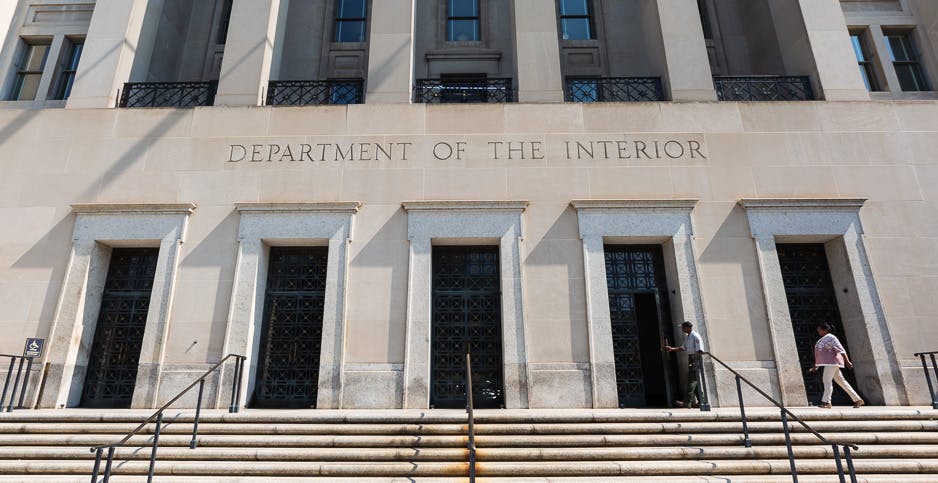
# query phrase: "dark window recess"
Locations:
[[614, 89], [705, 19], [115, 352], [351, 20], [576, 21], [225, 22], [864, 60], [638, 313], [302, 93], [291, 337], [462, 21], [29, 71], [69, 68], [466, 317], [905, 59], [811, 301]]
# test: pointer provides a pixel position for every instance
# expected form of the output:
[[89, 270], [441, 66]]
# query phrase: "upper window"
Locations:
[[864, 59], [223, 22], [350, 17], [29, 71], [576, 20], [69, 67], [906, 60], [462, 21]]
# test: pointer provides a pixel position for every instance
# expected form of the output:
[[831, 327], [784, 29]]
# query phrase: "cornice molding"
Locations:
[[801, 203], [347, 207], [457, 205], [132, 208], [673, 204]]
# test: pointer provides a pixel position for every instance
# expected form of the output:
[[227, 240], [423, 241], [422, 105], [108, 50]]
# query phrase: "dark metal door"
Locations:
[[633, 271], [466, 317], [811, 301], [288, 359], [118, 335]]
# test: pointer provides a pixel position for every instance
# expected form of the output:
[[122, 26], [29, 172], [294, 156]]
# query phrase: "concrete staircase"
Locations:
[[896, 445]]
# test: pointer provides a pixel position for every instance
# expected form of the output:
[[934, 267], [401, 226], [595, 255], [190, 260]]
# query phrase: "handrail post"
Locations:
[[702, 383], [97, 465], [156, 443], [29, 368], [236, 385], [198, 410], [16, 383], [471, 426], [791, 451], [840, 465], [747, 442], [6, 383], [850, 468], [934, 366], [931, 387], [110, 462]]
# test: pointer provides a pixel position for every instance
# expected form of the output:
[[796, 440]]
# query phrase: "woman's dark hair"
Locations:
[[825, 327]]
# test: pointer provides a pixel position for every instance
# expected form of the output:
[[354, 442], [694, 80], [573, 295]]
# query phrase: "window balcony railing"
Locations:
[[310, 92], [615, 89], [168, 94], [763, 88], [436, 91]]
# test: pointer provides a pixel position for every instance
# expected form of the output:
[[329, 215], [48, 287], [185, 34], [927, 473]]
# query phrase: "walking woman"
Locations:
[[829, 353]]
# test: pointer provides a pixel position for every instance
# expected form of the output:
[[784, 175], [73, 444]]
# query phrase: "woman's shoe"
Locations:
[[858, 403], [824, 405]]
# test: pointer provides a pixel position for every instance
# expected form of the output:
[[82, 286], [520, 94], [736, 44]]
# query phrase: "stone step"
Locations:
[[460, 429], [894, 478], [490, 469], [444, 416], [53, 453], [483, 441]]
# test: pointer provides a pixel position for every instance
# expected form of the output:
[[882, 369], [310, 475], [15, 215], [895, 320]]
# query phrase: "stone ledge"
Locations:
[[675, 204], [323, 207], [132, 208], [465, 205], [802, 203]]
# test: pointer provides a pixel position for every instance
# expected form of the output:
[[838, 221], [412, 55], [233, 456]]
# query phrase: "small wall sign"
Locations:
[[33, 347]]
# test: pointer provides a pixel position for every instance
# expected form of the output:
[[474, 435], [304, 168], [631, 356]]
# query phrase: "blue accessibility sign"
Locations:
[[33, 347]]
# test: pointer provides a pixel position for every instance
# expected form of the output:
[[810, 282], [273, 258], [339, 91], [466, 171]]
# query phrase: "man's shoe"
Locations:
[[824, 405], [858, 403]]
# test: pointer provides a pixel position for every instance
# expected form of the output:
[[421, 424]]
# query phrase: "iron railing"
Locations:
[[470, 428], [785, 415], [168, 94], [615, 89], [934, 366], [437, 91], [763, 88], [17, 388], [157, 416], [312, 92]]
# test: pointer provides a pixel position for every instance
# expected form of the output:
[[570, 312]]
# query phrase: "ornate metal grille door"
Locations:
[[288, 361], [115, 351], [632, 270], [466, 316], [811, 301]]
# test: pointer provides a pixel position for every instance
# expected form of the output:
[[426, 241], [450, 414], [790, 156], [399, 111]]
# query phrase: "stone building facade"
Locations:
[[352, 194]]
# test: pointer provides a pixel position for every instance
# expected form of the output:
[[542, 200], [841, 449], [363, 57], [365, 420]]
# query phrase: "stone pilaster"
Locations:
[[538, 50], [391, 51], [249, 51], [688, 66]]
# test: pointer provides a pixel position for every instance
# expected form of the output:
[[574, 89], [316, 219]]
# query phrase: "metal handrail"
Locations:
[[934, 365], [471, 417], [785, 415], [158, 417], [16, 381]]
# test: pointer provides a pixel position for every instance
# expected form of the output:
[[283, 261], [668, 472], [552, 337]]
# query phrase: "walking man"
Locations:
[[693, 345]]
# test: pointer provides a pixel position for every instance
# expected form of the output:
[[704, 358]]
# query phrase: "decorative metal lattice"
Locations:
[[615, 89], [168, 94], [466, 317], [763, 88], [811, 301], [304, 93], [122, 319], [288, 360], [630, 269], [436, 91]]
